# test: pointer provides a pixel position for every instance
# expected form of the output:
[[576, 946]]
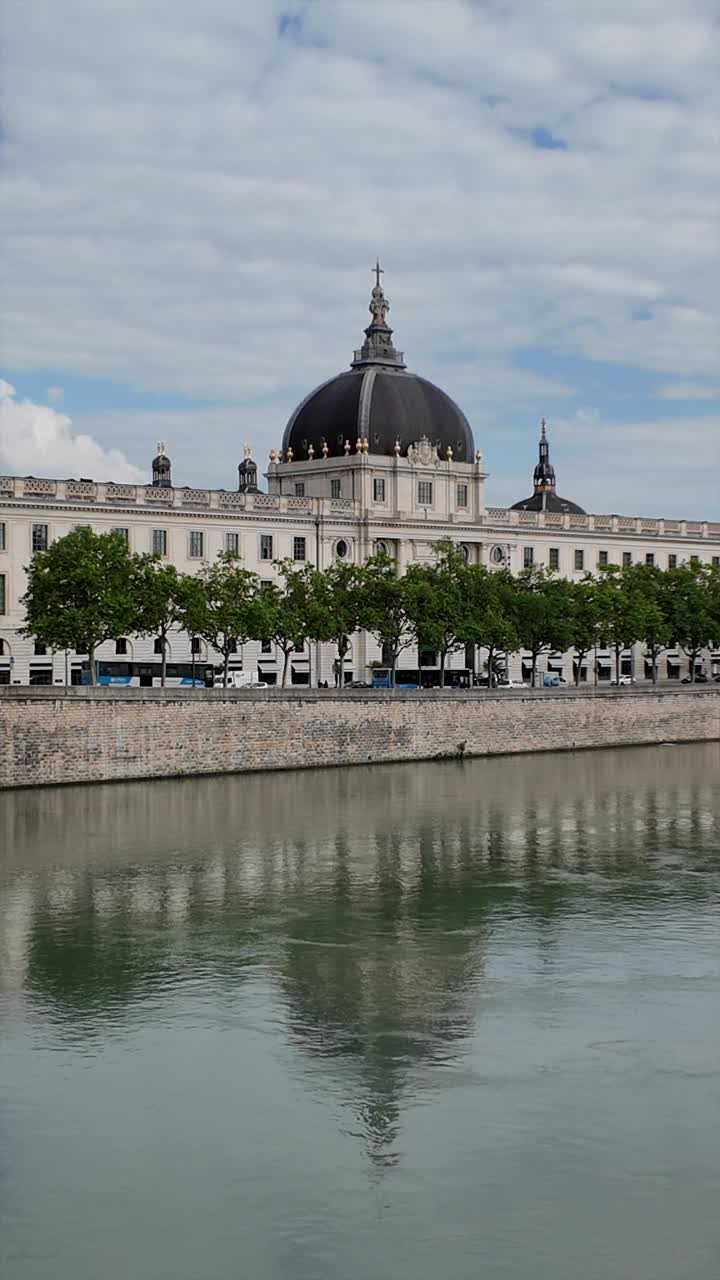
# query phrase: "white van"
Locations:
[[240, 680]]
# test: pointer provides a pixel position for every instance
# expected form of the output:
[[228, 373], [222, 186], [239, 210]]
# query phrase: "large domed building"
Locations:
[[379, 401]]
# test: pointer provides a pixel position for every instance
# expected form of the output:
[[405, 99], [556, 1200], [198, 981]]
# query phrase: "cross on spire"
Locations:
[[543, 425], [379, 271]]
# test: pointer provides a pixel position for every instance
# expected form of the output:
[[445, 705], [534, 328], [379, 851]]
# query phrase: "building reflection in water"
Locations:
[[367, 899]]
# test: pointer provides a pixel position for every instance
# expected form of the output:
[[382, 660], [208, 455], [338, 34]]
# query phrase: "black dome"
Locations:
[[382, 405], [547, 502]]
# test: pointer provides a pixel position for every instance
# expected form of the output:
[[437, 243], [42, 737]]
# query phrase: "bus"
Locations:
[[146, 675], [420, 678]]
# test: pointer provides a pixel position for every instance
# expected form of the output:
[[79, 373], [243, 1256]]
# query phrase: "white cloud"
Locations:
[[56, 394], [192, 204], [37, 440]]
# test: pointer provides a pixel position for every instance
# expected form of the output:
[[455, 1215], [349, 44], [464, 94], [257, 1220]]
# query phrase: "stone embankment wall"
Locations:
[[50, 736]]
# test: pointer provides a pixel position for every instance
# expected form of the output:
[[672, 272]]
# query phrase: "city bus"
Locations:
[[146, 675], [420, 678]]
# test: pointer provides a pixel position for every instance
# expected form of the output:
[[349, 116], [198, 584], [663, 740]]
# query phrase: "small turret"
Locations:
[[247, 473], [161, 469]]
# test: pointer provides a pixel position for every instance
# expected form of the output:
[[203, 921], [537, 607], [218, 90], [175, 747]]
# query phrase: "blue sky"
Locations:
[[194, 197]]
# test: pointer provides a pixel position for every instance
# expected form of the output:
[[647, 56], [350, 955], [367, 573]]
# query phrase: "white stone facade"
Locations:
[[318, 510]]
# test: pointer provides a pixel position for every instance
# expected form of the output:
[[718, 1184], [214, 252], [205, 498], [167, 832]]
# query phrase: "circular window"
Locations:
[[497, 555], [341, 549]]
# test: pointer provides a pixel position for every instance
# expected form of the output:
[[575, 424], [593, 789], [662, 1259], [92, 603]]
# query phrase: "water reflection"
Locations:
[[368, 900]]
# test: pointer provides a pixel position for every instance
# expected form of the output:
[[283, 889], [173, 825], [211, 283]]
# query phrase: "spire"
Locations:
[[161, 468], [544, 473], [378, 345]]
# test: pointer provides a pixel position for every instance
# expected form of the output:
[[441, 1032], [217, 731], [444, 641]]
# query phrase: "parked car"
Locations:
[[700, 678], [553, 679], [623, 680], [512, 684], [358, 684]]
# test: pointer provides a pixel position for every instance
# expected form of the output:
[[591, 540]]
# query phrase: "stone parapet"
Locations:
[[50, 736]]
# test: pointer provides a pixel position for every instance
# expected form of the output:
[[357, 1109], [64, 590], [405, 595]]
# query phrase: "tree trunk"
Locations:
[[443, 660], [618, 651], [342, 650], [226, 663], [654, 658], [393, 668], [491, 654], [91, 663], [163, 660], [533, 669], [286, 665]]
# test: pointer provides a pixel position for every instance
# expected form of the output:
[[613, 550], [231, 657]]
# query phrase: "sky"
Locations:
[[193, 196]]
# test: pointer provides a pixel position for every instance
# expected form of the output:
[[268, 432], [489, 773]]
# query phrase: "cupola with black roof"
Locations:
[[544, 497], [161, 469]]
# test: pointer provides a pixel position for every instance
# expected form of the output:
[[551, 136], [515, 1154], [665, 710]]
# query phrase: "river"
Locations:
[[416, 1021]]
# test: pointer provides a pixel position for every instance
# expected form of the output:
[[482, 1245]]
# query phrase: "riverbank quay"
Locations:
[[55, 736]]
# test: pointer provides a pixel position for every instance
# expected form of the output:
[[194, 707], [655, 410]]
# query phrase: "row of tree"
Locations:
[[88, 588]]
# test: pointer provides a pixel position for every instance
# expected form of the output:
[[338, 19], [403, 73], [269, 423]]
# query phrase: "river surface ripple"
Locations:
[[423, 1021]]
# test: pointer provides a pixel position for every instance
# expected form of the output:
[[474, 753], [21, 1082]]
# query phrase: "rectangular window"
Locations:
[[266, 646], [579, 559], [672, 562], [232, 543], [298, 548], [649, 557], [40, 650], [121, 647], [602, 557], [3, 593], [694, 559], [716, 562], [197, 544], [266, 546], [554, 558], [528, 557], [627, 559], [300, 489], [335, 488], [3, 537], [195, 644], [124, 534], [158, 645], [425, 493], [378, 490], [39, 537], [461, 495], [159, 542]]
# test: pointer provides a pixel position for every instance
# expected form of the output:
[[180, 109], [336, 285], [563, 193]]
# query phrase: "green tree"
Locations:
[[622, 611], [335, 611], [160, 595], [585, 619], [543, 612], [651, 588], [489, 620], [223, 605], [695, 620], [384, 609], [289, 609], [437, 602], [80, 592]]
